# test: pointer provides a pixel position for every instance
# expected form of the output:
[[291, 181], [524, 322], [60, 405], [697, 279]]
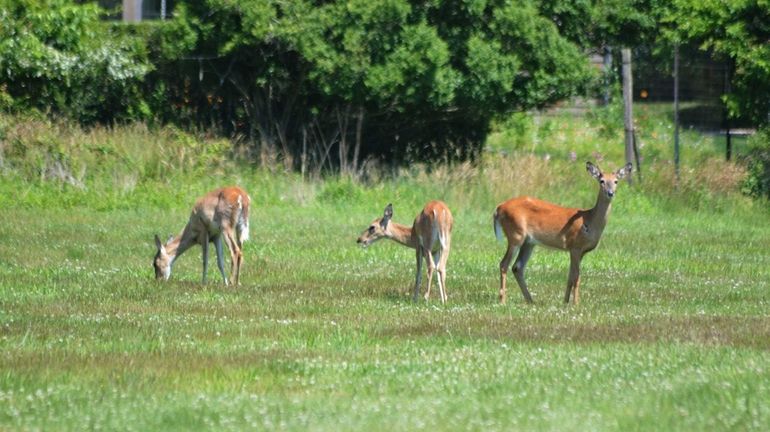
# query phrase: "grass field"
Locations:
[[672, 333]]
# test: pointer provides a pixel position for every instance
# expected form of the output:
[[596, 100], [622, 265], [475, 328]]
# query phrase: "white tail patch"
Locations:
[[441, 235], [245, 232], [243, 222], [498, 228], [243, 227]]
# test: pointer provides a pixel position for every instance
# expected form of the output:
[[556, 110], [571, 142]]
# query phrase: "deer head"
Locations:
[[377, 229], [608, 182]]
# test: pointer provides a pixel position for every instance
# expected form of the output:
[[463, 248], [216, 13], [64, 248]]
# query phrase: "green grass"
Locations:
[[672, 332]]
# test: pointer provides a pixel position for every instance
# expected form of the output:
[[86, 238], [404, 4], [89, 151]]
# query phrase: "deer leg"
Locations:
[[504, 264], [220, 257], [574, 278], [418, 276], [237, 258], [431, 269], [525, 252], [204, 239], [235, 255], [232, 248], [442, 270], [437, 265]]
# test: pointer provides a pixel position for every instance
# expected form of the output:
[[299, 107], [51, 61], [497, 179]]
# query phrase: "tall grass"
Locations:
[[51, 164]]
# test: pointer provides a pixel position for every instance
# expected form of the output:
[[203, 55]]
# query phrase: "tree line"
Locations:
[[331, 84]]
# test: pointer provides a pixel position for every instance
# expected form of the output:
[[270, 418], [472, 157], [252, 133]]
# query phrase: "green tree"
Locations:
[[337, 81], [59, 57], [739, 32]]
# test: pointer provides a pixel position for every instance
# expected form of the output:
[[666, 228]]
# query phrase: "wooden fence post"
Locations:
[[628, 100], [676, 113]]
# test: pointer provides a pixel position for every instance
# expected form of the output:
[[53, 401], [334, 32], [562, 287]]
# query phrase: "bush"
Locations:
[[60, 58], [757, 181]]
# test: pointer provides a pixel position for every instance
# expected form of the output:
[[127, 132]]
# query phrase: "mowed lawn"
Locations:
[[672, 333]]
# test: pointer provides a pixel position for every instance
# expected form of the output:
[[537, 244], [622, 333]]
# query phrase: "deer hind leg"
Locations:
[[573, 281], [220, 257], [525, 252], [431, 269], [442, 269], [418, 276], [504, 265], [235, 255], [437, 258]]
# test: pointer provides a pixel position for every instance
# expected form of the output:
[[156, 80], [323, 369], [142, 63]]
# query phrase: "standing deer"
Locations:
[[430, 235], [527, 222], [222, 214]]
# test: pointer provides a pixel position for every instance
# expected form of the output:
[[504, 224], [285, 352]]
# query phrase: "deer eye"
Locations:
[[371, 229], [601, 181]]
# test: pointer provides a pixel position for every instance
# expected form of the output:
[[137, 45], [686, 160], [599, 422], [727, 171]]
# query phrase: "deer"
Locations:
[[527, 222], [220, 215], [430, 235]]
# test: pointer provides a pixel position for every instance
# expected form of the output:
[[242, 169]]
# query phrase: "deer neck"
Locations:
[[600, 213], [402, 234], [176, 247]]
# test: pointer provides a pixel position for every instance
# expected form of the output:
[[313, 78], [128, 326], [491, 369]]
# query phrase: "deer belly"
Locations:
[[551, 241], [213, 229]]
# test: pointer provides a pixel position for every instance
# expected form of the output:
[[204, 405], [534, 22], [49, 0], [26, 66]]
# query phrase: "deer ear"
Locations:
[[386, 215], [158, 244], [626, 170], [593, 170]]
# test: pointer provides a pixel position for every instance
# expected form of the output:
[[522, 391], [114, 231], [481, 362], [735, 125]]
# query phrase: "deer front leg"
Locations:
[[220, 257], [204, 239], [418, 276], [525, 252], [573, 280]]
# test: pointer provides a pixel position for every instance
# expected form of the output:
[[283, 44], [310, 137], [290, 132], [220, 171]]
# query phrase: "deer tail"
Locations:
[[243, 218]]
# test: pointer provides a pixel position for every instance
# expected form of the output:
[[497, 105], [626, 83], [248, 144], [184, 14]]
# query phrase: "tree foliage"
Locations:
[[337, 81], [58, 56], [738, 31], [330, 83]]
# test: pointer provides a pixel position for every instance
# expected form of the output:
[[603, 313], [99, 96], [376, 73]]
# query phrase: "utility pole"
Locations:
[[628, 100], [726, 115], [676, 112]]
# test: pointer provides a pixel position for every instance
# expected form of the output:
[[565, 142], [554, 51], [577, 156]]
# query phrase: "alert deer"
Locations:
[[220, 215], [527, 222], [430, 235]]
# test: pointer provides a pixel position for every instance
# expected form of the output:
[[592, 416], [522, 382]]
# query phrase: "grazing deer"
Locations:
[[527, 222], [430, 235], [222, 214]]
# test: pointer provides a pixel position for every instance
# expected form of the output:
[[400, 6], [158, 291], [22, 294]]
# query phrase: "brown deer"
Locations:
[[430, 235], [527, 222], [220, 215]]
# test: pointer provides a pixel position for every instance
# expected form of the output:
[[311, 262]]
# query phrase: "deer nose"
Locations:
[[610, 194]]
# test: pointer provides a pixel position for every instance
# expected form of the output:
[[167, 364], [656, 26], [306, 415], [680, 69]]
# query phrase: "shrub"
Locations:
[[757, 181], [59, 57]]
